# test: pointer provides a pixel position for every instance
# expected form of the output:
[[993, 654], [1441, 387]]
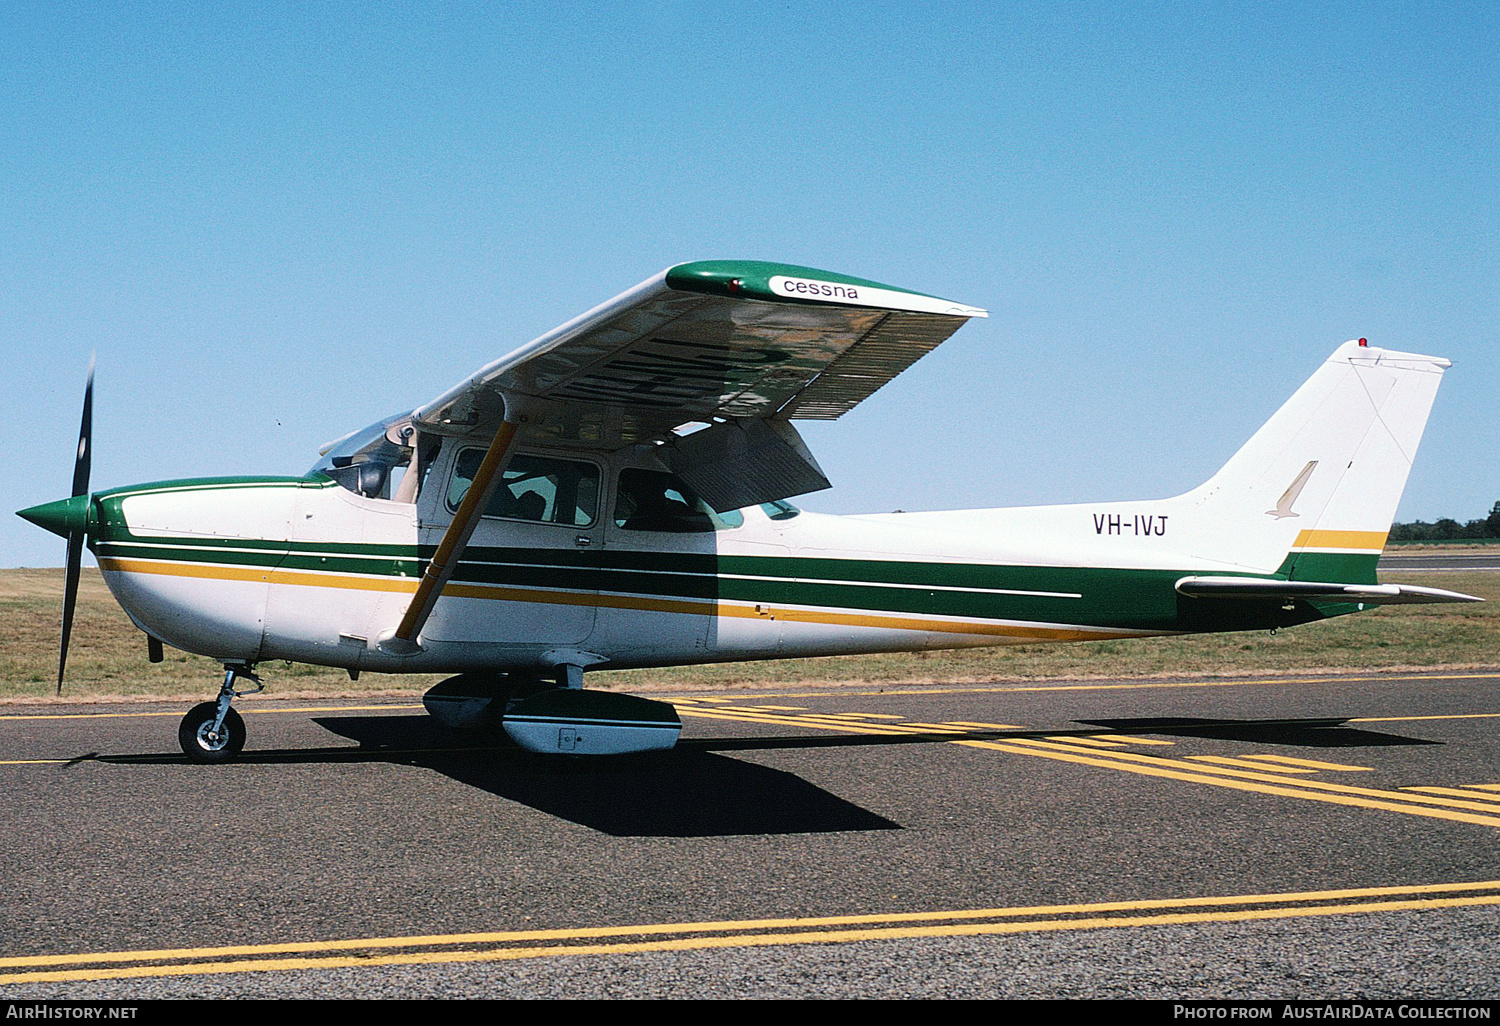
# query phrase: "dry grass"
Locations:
[[108, 654]]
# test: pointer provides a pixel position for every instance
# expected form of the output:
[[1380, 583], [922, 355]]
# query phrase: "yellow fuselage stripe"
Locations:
[[506, 594]]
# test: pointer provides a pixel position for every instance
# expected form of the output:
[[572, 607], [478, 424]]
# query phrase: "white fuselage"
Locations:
[[305, 570]]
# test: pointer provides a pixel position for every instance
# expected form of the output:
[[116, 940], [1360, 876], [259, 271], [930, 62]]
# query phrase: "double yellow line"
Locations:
[[510, 945]]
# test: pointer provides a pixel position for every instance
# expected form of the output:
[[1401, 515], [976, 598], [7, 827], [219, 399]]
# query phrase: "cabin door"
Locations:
[[528, 577]]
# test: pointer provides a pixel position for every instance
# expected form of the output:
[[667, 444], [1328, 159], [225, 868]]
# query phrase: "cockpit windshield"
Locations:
[[370, 461]]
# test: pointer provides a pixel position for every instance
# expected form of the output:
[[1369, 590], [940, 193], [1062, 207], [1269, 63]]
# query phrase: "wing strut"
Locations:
[[445, 560]]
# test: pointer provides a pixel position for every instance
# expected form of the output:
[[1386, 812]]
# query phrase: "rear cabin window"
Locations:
[[653, 500], [535, 488]]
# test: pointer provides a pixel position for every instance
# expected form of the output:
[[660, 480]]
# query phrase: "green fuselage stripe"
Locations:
[[1125, 599], [1128, 599]]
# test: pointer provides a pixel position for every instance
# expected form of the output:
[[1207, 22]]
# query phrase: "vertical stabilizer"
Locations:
[[1314, 492]]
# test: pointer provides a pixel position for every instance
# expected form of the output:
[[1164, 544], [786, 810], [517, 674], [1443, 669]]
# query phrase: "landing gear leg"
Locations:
[[212, 731]]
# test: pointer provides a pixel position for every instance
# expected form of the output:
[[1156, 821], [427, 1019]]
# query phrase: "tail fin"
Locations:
[[1313, 493]]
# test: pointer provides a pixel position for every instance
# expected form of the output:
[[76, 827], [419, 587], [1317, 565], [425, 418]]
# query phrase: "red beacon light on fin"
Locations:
[[1364, 342]]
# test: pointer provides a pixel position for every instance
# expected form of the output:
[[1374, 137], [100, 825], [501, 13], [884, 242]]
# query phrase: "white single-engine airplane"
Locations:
[[613, 495]]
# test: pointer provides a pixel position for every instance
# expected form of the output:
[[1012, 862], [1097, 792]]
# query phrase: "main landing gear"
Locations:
[[558, 717], [212, 731]]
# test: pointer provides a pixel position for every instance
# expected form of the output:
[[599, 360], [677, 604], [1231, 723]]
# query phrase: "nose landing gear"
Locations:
[[212, 731]]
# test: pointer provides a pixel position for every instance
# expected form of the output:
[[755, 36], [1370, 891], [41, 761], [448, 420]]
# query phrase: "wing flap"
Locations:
[[745, 462]]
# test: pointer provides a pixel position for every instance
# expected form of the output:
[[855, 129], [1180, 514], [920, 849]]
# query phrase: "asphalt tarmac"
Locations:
[[1260, 837]]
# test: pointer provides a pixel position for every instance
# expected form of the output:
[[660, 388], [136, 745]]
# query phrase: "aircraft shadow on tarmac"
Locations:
[[686, 792], [1323, 733], [692, 791]]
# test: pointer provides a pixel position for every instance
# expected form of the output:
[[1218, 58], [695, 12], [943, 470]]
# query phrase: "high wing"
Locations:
[[740, 348], [716, 338]]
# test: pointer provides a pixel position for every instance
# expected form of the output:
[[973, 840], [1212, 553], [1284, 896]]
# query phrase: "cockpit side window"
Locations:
[[654, 500], [540, 489]]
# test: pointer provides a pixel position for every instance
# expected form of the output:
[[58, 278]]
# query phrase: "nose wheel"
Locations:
[[205, 739], [212, 731]]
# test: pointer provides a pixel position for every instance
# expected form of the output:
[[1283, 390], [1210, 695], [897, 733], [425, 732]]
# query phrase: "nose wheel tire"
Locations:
[[201, 743]]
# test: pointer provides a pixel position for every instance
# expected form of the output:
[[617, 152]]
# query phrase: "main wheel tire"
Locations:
[[200, 744]]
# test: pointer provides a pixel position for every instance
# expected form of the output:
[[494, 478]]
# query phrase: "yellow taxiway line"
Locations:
[[850, 692], [248, 710], [508, 945], [1236, 774], [835, 691]]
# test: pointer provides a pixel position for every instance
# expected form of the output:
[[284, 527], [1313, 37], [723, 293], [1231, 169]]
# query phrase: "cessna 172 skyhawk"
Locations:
[[613, 495]]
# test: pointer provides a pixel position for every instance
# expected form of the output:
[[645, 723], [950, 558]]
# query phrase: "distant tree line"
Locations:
[[1449, 530]]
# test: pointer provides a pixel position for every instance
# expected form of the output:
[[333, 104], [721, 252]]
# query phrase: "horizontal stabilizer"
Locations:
[[1253, 588]]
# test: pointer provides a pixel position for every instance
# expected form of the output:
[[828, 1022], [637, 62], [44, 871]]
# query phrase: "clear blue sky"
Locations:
[[279, 223]]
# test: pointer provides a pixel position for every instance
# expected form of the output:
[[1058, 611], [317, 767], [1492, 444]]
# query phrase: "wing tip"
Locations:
[[796, 284]]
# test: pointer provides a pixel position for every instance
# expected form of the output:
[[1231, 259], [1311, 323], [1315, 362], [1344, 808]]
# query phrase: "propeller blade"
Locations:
[[70, 599], [85, 438], [81, 467]]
